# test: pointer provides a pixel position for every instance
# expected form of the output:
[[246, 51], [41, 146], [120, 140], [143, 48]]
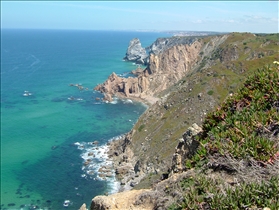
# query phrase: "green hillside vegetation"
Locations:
[[242, 124], [241, 135], [216, 75], [205, 193]]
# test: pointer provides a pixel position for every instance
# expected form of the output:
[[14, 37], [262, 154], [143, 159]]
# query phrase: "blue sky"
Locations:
[[222, 16]]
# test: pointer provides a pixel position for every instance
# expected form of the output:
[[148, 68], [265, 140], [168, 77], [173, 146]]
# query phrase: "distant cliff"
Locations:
[[169, 60]]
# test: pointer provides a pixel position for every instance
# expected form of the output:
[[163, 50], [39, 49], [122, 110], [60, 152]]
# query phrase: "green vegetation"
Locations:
[[210, 92], [244, 127], [141, 127], [205, 193], [240, 126]]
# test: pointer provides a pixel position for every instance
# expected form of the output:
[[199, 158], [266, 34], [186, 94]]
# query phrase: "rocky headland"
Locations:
[[185, 79], [169, 60]]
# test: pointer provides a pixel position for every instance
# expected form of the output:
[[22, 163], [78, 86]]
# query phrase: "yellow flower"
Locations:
[[276, 62]]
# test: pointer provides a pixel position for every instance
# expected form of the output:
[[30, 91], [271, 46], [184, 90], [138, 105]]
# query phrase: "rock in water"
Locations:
[[83, 207], [136, 52]]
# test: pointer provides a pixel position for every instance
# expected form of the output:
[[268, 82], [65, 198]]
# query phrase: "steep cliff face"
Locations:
[[124, 87], [168, 67], [169, 61], [164, 69]]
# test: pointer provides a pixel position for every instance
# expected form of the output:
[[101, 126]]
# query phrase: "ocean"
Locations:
[[48, 126]]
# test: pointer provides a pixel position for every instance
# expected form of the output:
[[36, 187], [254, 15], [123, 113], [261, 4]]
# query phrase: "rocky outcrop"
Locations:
[[124, 162], [169, 60], [229, 54], [186, 147], [164, 69], [136, 52], [168, 67], [124, 87], [140, 55], [126, 170], [121, 201], [162, 44], [83, 207]]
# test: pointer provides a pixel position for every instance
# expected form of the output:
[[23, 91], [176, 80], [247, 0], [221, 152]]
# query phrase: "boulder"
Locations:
[[122, 201], [83, 207], [186, 147]]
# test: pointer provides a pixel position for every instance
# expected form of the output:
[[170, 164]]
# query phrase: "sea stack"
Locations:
[[136, 52]]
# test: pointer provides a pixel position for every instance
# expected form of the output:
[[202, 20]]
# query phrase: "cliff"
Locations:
[[158, 154], [169, 61]]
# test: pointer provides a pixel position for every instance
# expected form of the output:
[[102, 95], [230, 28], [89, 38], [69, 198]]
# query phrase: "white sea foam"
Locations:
[[96, 157], [114, 100], [127, 101], [123, 74]]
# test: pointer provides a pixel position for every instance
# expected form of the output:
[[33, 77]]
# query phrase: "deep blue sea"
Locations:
[[48, 126]]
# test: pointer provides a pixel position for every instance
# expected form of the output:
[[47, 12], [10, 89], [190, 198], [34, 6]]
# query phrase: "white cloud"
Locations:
[[259, 19]]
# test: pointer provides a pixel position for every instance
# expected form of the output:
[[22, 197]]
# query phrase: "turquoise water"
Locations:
[[45, 136]]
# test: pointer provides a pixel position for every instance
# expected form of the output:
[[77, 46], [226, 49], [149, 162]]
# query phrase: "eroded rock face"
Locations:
[[163, 70], [185, 148], [147, 199], [123, 87], [162, 44], [167, 68], [230, 54], [136, 52]]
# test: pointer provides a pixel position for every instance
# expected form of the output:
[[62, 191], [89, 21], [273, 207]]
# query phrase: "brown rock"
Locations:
[[121, 201], [83, 207], [163, 70]]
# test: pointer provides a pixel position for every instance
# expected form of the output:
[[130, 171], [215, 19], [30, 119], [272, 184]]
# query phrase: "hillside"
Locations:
[[146, 154], [237, 157], [188, 101]]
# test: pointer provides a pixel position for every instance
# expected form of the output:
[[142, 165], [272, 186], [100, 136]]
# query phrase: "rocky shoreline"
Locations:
[[123, 165], [129, 176]]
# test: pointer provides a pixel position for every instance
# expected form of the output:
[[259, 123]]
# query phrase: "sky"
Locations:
[[220, 16]]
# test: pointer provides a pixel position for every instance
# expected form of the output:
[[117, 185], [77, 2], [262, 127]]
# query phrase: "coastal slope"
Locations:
[[198, 78]]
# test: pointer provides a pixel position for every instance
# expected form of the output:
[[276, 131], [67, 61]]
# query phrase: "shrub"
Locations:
[[241, 125], [210, 92], [205, 193], [141, 127]]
